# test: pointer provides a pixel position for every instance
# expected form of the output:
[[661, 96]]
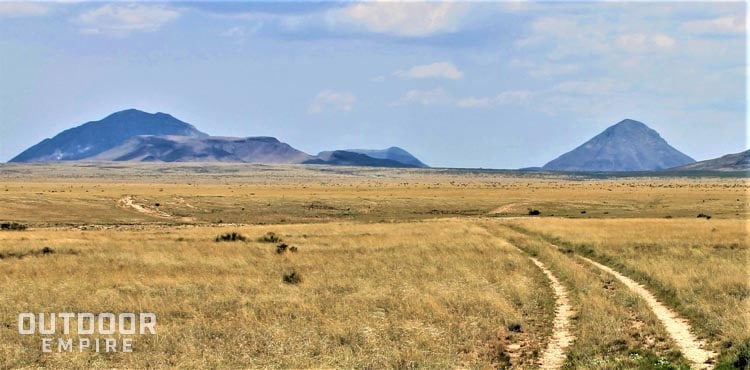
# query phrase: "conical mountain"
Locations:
[[628, 145]]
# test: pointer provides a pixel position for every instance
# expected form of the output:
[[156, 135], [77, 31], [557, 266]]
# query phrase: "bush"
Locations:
[[12, 226], [534, 212], [514, 327], [702, 215], [270, 237], [292, 277], [281, 248], [230, 237]]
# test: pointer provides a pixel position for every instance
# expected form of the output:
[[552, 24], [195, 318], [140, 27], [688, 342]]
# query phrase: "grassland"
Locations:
[[399, 268], [699, 267]]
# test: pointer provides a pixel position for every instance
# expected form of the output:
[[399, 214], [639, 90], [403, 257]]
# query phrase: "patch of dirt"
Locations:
[[182, 201], [129, 202], [507, 208]]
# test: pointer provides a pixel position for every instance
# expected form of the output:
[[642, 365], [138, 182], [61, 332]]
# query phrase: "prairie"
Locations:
[[393, 268]]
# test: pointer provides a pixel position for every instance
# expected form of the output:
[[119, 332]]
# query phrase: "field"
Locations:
[[391, 268]]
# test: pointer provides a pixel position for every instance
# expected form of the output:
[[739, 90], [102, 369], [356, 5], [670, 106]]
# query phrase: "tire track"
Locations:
[[677, 327], [561, 338]]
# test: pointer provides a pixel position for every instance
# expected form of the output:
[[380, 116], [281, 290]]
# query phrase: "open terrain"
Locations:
[[392, 267]]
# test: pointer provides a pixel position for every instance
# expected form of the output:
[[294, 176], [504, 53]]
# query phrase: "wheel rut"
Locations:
[[678, 328]]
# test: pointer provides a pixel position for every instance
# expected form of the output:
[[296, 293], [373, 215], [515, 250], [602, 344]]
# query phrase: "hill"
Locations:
[[730, 162], [137, 136], [347, 158], [95, 137], [393, 153], [628, 145], [149, 148]]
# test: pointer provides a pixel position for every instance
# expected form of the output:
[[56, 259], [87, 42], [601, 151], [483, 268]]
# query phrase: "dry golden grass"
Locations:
[[75, 194], [400, 268], [698, 267], [613, 328], [438, 294]]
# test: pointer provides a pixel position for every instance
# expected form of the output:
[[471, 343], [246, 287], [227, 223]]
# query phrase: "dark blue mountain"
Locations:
[[626, 146], [347, 158], [393, 153], [93, 138]]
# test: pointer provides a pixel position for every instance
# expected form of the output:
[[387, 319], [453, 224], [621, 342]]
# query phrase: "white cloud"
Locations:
[[434, 70], [640, 42], [121, 20], [730, 25], [663, 41], [435, 96], [22, 9], [636, 41], [332, 100], [506, 97], [409, 19]]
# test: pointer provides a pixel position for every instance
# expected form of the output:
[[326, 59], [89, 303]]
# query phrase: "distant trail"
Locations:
[[554, 355], [677, 327], [129, 202], [506, 207]]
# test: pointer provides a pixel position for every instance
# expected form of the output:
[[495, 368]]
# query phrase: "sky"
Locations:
[[458, 84]]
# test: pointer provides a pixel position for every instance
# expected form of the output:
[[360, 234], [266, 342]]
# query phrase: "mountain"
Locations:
[[347, 158], [730, 162], [626, 146], [136, 136], [149, 148], [393, 153], [93, 138]]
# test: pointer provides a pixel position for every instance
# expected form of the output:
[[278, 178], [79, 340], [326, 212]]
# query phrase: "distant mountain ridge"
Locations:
[[149, 148], [628, 145], [134, 135], [349, 158], [95, 137], [730, 162], [393, 153]]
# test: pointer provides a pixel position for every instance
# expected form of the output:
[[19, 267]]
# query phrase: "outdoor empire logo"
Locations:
[[103, 332]]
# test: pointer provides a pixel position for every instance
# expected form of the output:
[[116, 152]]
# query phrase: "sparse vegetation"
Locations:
[[12, 226], [230, 237], [270, 237], [292, 277]]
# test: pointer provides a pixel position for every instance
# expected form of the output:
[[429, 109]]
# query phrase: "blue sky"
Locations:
[[458, 84]]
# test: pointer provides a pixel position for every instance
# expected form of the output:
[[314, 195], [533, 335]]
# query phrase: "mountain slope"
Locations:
[[93, 138], [626, 146], [730, 162], [393, 153], [347, 158], [148, 148]]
